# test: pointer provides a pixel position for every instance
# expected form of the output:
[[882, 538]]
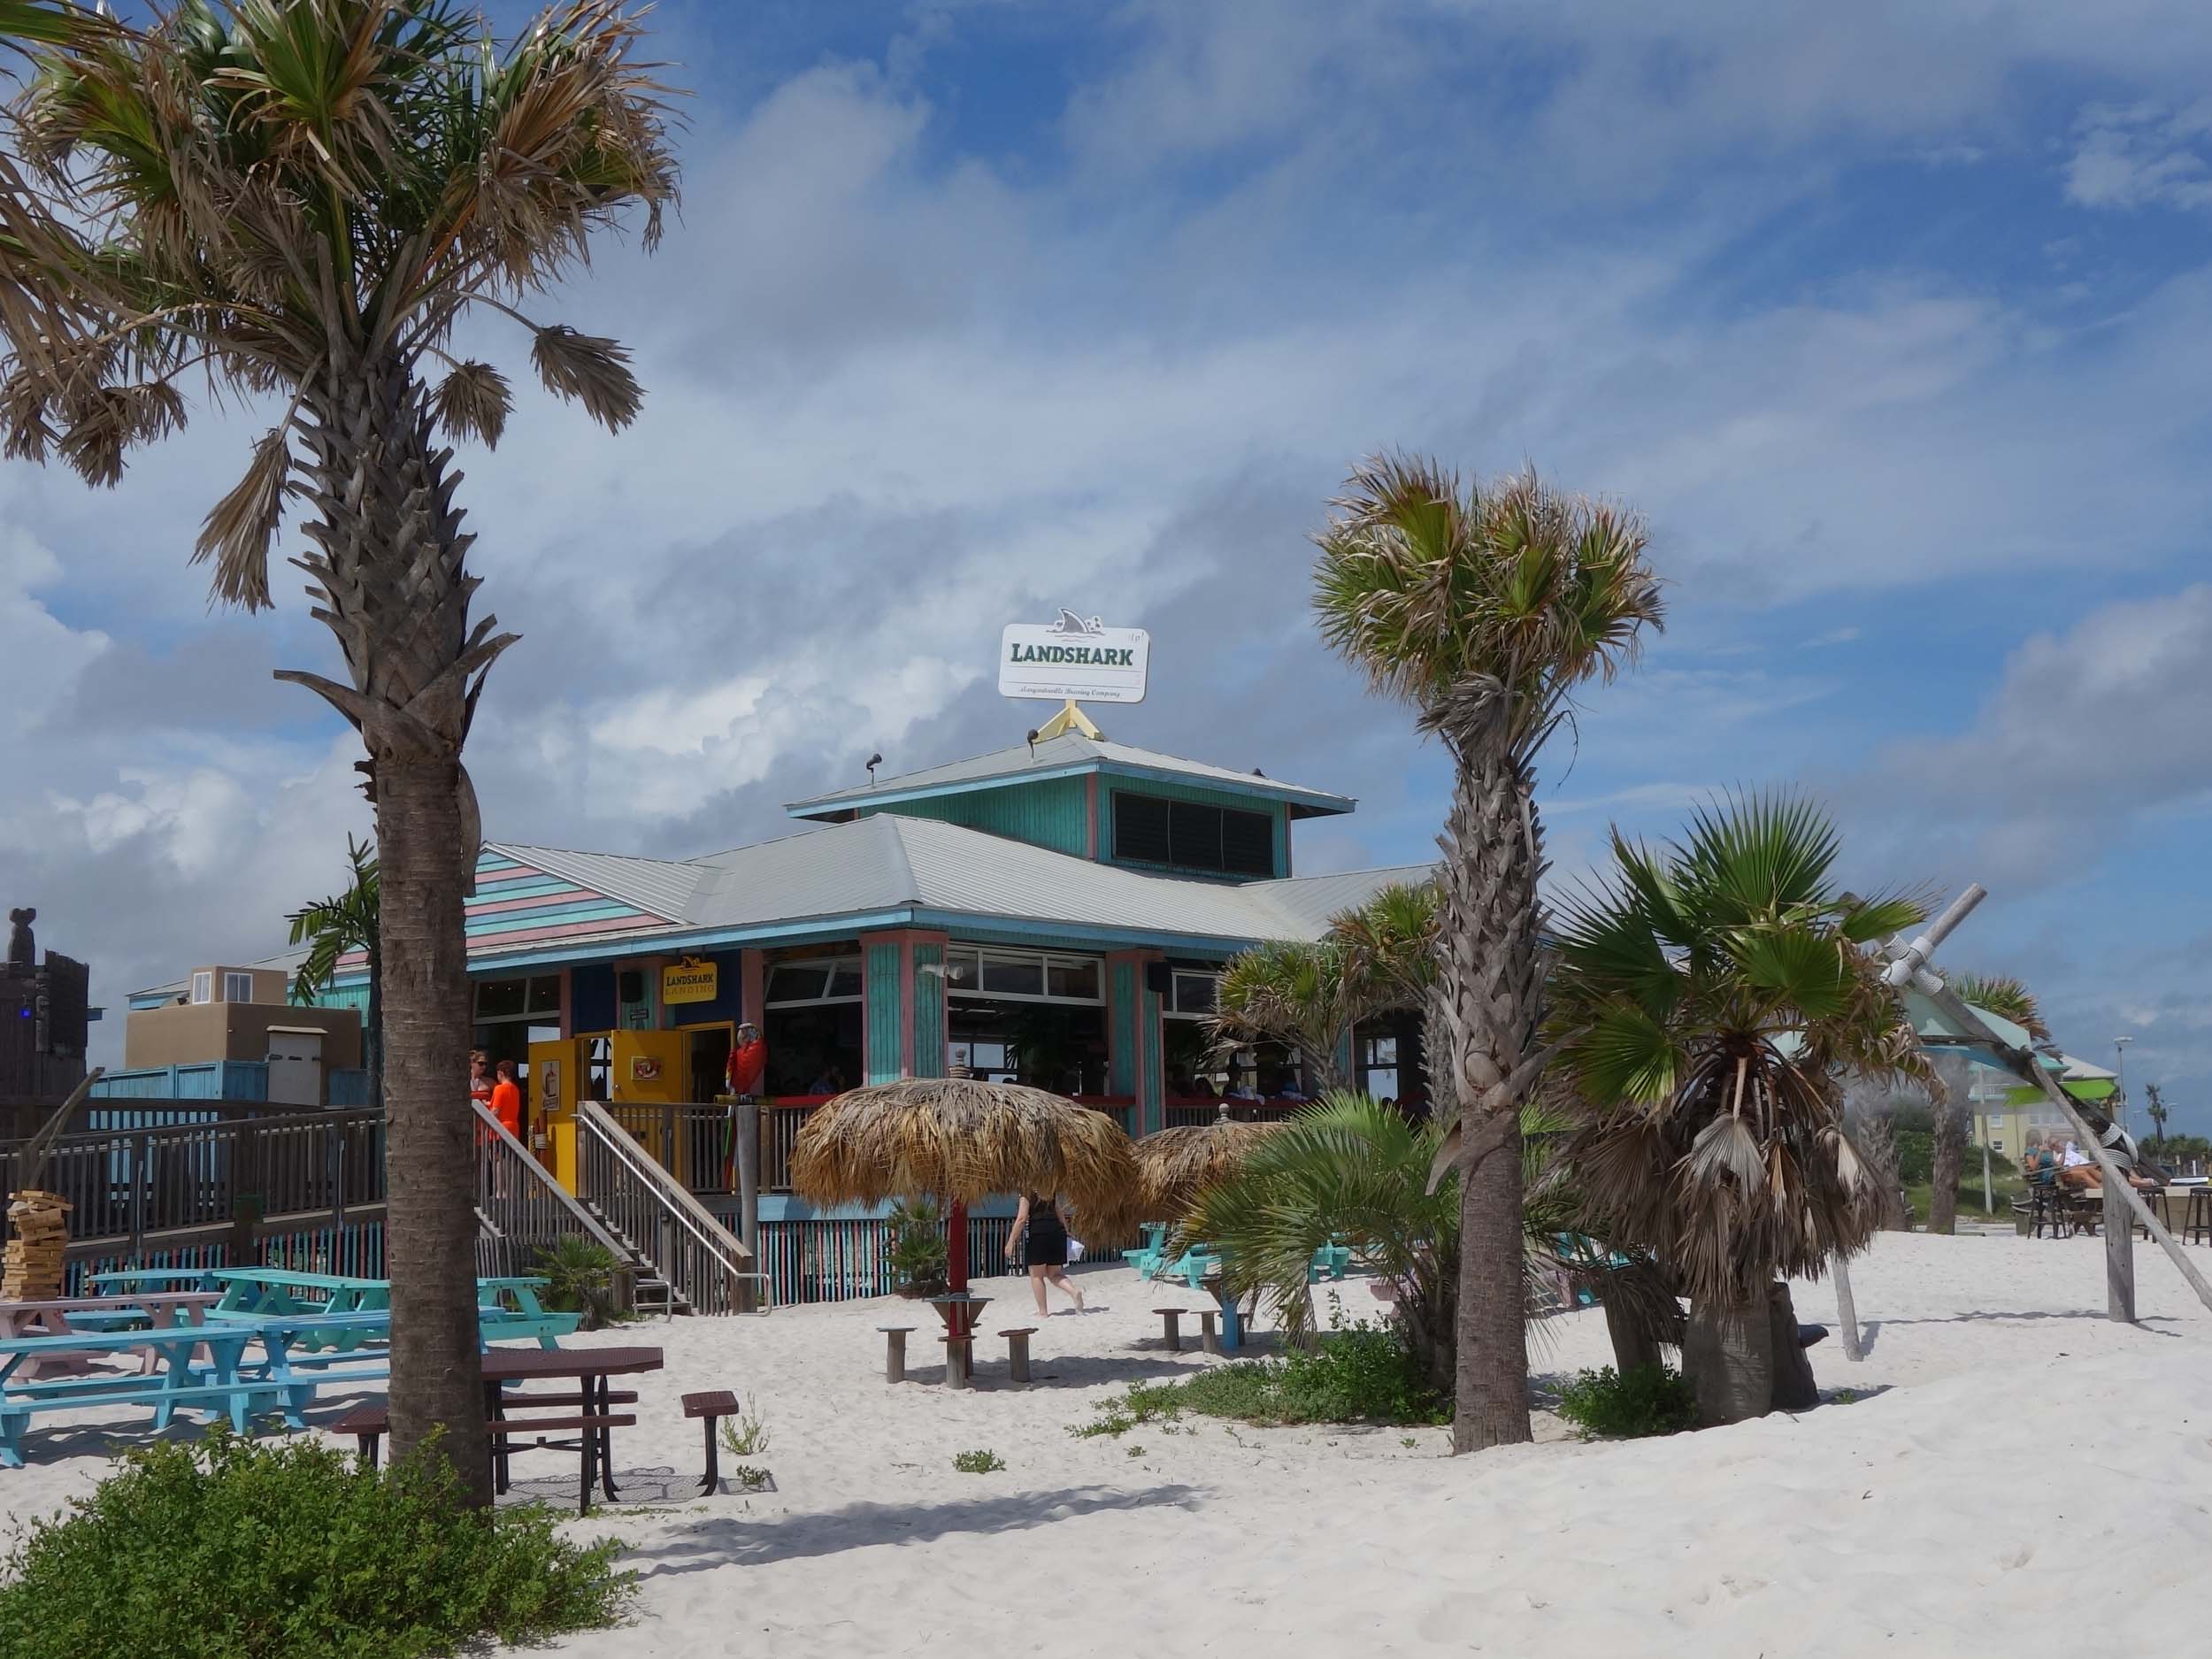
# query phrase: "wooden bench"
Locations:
[[368, 1425], [713, 1405], [1171, 1319], [1018, 1351], [894, 1351]]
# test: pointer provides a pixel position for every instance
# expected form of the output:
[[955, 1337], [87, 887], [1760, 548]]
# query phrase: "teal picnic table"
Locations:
[[216, 1379], [510, 1308]]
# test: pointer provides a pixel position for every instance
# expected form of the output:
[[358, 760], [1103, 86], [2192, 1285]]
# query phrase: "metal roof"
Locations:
[[1069, 754], [659, 885]]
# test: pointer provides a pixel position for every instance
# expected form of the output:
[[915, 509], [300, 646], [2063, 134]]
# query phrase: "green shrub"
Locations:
[[236, 1549], [920, 1262], [979, 1462], [579, 1277], [1359, 1373], [1644, 1400], [746, 1434]]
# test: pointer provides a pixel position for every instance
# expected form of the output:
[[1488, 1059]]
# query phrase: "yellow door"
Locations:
[[649, 1072], [557, 1077]]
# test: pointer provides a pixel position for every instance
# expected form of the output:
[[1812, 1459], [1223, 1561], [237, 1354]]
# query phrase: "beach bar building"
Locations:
[[1055, 912]]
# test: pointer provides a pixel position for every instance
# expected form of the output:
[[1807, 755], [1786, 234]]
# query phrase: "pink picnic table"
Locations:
[[85, 1316]]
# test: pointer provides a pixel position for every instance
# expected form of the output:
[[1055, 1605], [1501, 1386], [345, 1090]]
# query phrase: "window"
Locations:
[[1193, 994], [1148, 829], [519, 998], [203, 987], [1022, 976], [1379, 1066], [991, 1060], [238, 988], [807, 984]]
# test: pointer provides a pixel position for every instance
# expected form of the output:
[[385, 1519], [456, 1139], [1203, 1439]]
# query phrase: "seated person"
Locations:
[[2038, 1163]]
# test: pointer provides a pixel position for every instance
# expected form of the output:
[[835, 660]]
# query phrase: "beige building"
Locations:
[[243, 1014]]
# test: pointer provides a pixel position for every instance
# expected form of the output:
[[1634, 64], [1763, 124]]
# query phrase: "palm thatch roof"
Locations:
[[1176, 1166], [962, 1139]]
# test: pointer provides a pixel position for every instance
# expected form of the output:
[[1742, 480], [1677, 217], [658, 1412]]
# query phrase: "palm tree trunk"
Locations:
[[372, 1037], [1727, 1355], [1492, 999], [430, 1161], [1952, 1071], [389, 563]]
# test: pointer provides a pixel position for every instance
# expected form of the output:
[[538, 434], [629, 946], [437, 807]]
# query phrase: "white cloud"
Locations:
[[2142, 155]]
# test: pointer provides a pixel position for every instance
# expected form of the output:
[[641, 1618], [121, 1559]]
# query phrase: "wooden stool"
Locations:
[[1209, 1338], [1172, 1319], [713, 1405], [1018, 1351], [2197, 1220], [959, 1354], [894, 1351]]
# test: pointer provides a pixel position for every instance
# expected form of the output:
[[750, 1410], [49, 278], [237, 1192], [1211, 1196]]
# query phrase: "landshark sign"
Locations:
[[1075, 657]]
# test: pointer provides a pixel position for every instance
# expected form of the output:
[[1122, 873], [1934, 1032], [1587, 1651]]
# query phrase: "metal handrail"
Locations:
[[542, 1210], [713, 1268]]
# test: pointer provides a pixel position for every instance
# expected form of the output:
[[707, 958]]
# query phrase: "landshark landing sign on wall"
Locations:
[[1075, 657]]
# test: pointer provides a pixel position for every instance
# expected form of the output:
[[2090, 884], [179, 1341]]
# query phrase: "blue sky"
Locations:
[[1896, 325]]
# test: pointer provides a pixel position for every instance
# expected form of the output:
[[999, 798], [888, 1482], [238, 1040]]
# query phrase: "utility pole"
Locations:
[[2120, 1076]]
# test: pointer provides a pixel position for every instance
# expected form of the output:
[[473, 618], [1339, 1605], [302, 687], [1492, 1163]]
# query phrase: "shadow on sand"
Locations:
[[1870, 1330], [732, 1542]]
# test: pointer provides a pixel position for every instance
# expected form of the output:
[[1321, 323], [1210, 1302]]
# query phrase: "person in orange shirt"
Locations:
[[507, 1100]]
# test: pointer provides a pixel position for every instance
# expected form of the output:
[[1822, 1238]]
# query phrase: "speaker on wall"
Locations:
[[1159, 978], [630, 986]]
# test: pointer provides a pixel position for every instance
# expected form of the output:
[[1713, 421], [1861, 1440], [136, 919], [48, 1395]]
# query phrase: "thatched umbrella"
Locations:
[[961, 1139], [1174, 1166]]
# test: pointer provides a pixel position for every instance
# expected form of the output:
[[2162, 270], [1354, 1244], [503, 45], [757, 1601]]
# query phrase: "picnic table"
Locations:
[[215, 1379], [70, 1315], [590, 1369]]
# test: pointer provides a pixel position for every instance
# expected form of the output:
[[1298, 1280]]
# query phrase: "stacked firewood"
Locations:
[[31, 1268]]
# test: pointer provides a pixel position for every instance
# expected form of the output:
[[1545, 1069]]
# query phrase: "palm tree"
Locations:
[[2156, 1105], [1710, 999], [298, 202], [1390, 945], [2011, 999], [1351, 1170], [1293, 992], [329, 929], [1376, 958], [1485, 607]]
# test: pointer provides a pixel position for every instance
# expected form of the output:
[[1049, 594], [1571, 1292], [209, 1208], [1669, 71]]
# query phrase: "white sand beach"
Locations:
[[2014, 1466]]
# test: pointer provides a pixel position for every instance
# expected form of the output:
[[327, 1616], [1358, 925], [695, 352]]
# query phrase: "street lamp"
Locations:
[[2120, 1079]]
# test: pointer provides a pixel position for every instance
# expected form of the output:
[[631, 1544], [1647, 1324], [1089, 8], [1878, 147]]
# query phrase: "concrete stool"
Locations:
[[1208, 1337], [1018, 1351], [1172, 1319], [894, 1351]]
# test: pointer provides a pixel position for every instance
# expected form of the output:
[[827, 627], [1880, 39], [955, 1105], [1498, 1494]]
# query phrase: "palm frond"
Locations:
[[473, 402], [240, 529], [2006, 996], [589, 369]]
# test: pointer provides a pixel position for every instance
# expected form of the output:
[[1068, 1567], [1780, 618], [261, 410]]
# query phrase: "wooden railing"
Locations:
[[126, 1185], [523, 1210], [689, 1139], [644, 1203], [1195, 1112]]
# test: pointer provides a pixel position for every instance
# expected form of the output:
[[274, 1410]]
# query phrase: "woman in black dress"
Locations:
[[1040, 1242]]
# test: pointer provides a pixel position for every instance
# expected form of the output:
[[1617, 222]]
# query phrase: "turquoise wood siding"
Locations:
[[1121, 1004], [1152, 1086], [886, 1031], [1052, 813], [929, 1012], [354, 996], [1113, 787]]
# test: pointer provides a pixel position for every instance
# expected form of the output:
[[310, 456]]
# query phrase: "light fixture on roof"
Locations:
[[874, 761], [1031, 734]]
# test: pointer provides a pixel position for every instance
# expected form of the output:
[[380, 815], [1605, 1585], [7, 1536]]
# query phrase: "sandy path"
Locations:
[[2017, 1461]]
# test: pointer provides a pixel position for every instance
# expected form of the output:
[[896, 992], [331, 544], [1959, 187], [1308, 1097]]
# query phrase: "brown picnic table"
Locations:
[[595, 1420]]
